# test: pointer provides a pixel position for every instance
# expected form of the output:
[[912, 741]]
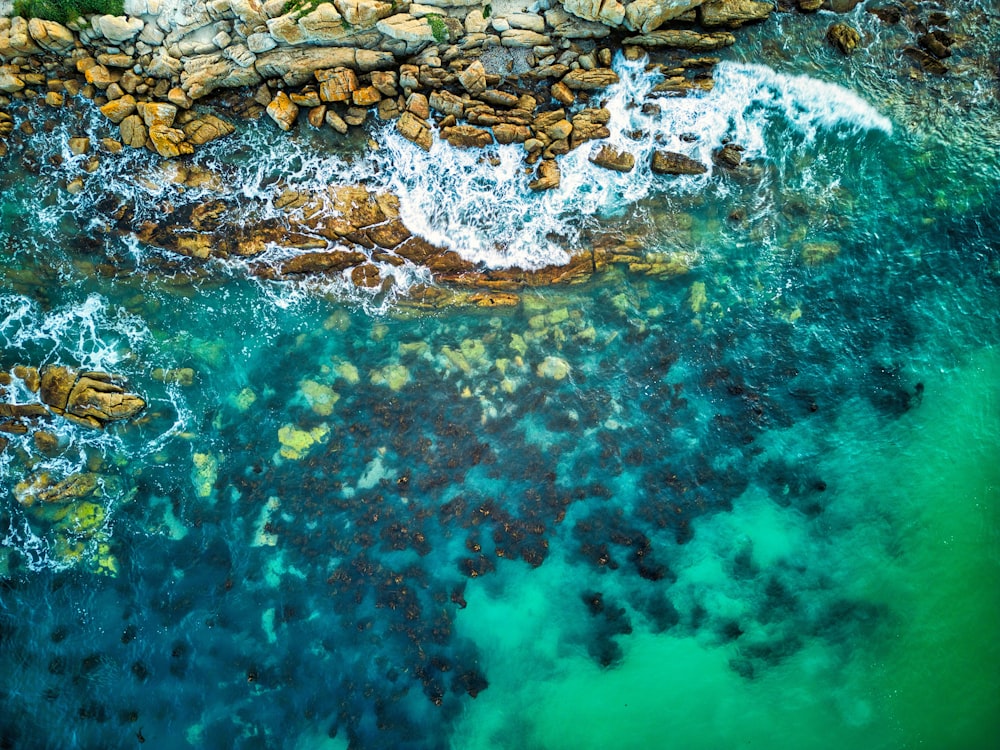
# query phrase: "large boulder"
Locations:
[[613, 159], [670, 162], [283, 111], [590, 80], [467, 136], [648, 15], [733, 13], [119, 28], [683, 39], [93, 399], [51, 36]]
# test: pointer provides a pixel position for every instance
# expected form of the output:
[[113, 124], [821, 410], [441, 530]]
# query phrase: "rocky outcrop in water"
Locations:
[[347, 233], [88, 398]]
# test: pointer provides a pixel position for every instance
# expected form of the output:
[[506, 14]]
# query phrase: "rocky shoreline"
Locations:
[[473, 72]]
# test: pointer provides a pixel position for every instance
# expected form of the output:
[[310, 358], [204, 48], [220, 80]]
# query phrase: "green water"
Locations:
[[929, 490]]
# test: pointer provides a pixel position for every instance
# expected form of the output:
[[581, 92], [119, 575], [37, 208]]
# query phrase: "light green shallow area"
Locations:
[[929, 680]]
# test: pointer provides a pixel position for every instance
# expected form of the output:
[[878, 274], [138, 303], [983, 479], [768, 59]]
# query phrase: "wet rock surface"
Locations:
[[88, 398]]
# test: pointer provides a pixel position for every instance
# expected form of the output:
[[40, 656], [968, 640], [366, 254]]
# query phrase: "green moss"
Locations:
[[303, 7], [487, 10], [438, 29], [65, 11]]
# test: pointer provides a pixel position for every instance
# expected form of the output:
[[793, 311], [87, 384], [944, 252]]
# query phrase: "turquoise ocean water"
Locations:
[[760, 508]]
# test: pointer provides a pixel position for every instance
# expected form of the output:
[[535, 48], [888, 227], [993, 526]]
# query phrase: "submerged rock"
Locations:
[[814, 253], [926, 61], [553, 368], [42, 488], [296, 443]]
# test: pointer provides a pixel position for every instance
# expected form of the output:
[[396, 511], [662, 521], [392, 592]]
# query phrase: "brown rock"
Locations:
[[157, 113], [446, 103], [385, 82], [335, 121], [670, 162], [29, 376], [843, 37], [41, 488], [928, 62], [389, 235], [887, 14], [610, 158], [207, 128], [467, 136], [559, 130], [179, 99], [547, 176], [22, 411], [317, 116], [332, 262], [46, 442], [473, 78], [937, 43], [683, 39], [418, 105], [562, 93], [733, 13], [590, 124], [133, 131], [415, 129], [92, 399], [590, 80], [500, 98], [355, 116], [169, 142], [205, 217], [283, 111], [79, 146], [545, 119], [336, 85], [388, 109], [366, 276], [729, 156], [307, 98], [119, 109], [366, 96], [100, 77], [507, 133]]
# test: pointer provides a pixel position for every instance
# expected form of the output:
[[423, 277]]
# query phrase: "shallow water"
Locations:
[[760, 509]]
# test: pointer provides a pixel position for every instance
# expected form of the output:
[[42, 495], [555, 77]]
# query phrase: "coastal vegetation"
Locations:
[[65, 11]]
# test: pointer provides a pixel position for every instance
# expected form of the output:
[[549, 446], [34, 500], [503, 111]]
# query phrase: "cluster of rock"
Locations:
[[932, 44], [341, 60], [348, 231], [88, 398]]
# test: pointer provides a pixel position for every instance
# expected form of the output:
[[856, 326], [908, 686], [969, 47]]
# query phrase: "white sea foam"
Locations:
[[477, 202], [87, 334]]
